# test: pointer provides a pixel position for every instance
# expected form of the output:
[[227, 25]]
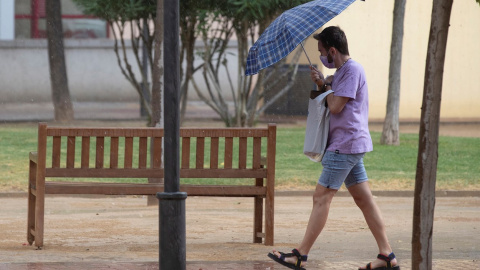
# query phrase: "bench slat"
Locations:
[[142, 152], [71, 152], [157, 152], [228, 152], [200, 153], [150, 189], [257, 152], [223, 132], [214, 152], [85, 152], [99, 152], [104, 132], [128, 152], [57, 141], [157, 173], [185, 153], [154, 132], [242, 153], [114, 141]]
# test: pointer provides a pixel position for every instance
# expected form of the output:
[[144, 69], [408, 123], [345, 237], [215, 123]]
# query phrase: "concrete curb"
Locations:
[[292, 193], [390, 193]]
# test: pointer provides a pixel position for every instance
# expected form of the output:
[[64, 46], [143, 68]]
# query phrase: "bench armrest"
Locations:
[[34, 157]]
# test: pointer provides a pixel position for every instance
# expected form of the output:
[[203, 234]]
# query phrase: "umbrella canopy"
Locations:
[[290, 29]]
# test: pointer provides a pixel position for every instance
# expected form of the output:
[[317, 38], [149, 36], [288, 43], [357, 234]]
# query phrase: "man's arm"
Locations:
[[335, 103]]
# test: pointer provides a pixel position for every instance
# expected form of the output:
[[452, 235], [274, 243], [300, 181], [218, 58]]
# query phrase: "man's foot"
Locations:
[[387, 262], [292, 260]]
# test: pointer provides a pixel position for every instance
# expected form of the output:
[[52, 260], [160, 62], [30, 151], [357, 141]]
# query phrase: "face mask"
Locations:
[[325, 62]]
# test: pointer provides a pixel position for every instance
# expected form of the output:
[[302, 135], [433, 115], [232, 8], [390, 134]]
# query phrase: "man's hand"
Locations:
[[316, 76]]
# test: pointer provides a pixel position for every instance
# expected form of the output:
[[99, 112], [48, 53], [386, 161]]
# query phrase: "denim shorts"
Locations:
[[342, 168]]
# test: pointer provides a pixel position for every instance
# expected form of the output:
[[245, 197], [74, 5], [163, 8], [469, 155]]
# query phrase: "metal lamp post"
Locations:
[[171, 201]]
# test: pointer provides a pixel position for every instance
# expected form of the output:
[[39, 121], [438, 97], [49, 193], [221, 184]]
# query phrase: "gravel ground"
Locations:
[[82, 230]]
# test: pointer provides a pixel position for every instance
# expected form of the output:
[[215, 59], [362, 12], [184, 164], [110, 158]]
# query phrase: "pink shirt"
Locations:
[[349, 132]]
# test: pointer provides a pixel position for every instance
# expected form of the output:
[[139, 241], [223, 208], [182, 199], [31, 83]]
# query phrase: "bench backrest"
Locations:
[[137, 152]]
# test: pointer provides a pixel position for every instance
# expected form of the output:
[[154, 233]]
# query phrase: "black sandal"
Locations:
[[388, 259], [295, 253]]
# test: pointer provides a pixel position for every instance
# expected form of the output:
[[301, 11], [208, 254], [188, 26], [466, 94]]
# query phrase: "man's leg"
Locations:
[[321, 204], [363, 198]]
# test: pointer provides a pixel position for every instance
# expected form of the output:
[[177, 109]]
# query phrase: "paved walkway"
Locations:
[[43, 111], [139, 266]]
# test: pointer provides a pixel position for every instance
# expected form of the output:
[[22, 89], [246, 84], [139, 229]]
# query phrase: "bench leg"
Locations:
[[269, 215], [39, 217], [31, 203], [258, 220], [39, 208], [258, 215]]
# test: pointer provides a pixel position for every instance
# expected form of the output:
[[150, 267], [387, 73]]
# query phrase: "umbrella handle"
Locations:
[[308, 58]]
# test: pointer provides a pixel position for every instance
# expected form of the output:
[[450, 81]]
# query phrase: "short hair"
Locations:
[[333, 36]]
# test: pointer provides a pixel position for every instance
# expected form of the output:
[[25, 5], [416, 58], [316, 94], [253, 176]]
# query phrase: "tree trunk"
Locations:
[[157, 83], [424, 202], [188, 26], [391, 134], [58, 70], [157, 69], [243, 88]]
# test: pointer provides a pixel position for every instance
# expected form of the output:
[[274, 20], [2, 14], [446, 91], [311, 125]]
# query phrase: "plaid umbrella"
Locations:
[[290, 29]]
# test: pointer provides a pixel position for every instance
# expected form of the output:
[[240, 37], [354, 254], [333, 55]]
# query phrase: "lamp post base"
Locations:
[[172, 236]]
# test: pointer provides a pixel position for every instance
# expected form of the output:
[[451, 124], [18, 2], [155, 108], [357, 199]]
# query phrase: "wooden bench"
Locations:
[[137, 153]]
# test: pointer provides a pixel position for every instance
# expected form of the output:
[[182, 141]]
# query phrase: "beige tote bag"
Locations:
[[318, 123]]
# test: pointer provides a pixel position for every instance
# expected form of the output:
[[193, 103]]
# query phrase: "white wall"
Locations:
[[7, 19], [92, 70], [368, 26]]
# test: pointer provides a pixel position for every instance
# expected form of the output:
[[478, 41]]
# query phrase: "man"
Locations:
[[348, 141]]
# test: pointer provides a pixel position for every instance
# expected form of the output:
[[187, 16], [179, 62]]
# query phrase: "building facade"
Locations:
[[94, 75]]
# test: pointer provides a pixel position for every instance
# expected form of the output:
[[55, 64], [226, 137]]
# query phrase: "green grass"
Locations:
[[388, 167], [15, 145]]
